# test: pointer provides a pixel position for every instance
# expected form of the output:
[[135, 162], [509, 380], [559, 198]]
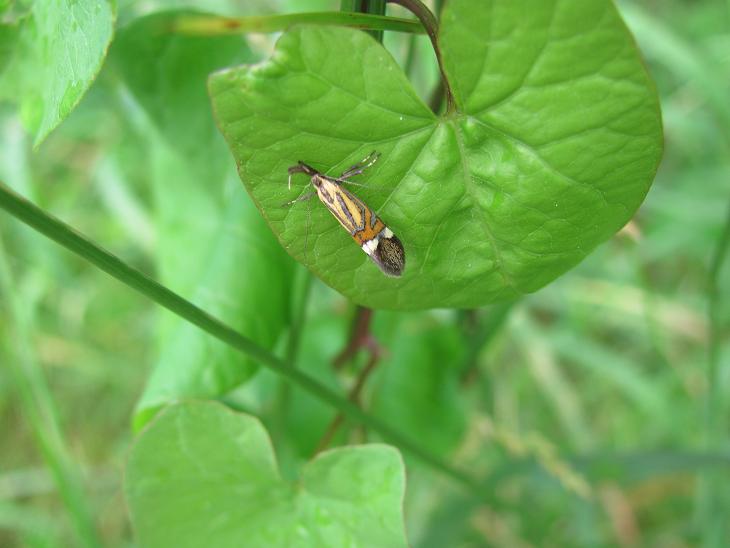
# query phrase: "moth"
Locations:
[[366, 228]]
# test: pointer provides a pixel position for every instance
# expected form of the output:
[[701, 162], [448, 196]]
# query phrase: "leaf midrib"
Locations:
[[469, 190]]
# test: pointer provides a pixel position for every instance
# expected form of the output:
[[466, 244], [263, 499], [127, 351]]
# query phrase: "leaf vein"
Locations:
[[468, 187]]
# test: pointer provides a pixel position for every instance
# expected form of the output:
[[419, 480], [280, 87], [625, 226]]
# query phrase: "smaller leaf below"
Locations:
[[201, 475]]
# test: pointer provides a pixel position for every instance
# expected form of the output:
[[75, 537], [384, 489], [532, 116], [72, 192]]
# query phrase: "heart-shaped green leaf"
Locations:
[[201, 475], [554, 143]]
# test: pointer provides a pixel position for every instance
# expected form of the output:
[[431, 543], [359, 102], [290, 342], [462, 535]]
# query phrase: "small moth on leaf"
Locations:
[[365, 227]]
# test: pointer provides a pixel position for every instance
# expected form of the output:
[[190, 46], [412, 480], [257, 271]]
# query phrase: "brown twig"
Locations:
[[360, 339], [354, 397]]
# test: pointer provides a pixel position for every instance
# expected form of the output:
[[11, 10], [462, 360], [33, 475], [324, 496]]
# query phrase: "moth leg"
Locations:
[[300, 199], [358, 168], [306, 232]]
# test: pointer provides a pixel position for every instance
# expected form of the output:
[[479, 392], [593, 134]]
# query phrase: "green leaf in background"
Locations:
[[554, 144], [201, 475], [8, 38], [59, 50], [416, 386], [243, 258], [167, 73], [213, 244], [307, 417]]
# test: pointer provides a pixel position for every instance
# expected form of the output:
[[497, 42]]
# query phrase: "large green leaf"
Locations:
[[553, 146], [201, 475], [243, 258], [59, 50], [213, 245], [8, 38]]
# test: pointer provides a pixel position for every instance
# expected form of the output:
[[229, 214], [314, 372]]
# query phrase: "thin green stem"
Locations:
[[40, 409], [487, 328], [714, 498], [410, 57], [214, 25], [371, 7], [62, 234]]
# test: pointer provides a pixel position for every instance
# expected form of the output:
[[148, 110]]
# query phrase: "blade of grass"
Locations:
[[714, 305], [62, 234], [714, 501], [623, 468], [40, 410], [691, 62]]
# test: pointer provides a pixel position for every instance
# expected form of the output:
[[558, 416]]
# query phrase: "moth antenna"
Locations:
[[358, 168], [374, 157]]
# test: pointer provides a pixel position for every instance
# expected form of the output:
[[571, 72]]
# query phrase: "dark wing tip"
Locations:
[[390, 256]]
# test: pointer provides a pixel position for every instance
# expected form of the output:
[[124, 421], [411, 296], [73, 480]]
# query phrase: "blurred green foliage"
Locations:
[[597, 408]]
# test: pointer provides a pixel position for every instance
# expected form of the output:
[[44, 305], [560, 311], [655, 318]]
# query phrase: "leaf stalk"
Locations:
[[208, 25], [430, 23]]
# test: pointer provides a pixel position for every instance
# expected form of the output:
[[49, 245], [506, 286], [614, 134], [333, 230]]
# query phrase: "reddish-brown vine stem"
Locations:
[[354, 397], [360, 339], [430, 23]]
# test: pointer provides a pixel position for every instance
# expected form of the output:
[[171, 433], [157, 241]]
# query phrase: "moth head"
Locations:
[[301, 167]]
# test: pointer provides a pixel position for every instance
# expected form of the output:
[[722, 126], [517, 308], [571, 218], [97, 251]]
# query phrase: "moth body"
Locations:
[[365, 227]]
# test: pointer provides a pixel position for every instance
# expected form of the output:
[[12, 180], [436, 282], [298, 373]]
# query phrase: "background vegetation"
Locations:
[[598, 407]]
